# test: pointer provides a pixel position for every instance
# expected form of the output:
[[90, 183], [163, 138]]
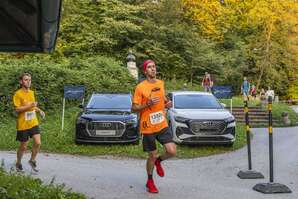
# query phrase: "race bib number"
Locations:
[[30, 115], [156, 118]]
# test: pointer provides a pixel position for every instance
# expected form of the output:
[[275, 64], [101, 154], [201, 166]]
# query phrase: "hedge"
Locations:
[[48, 79]]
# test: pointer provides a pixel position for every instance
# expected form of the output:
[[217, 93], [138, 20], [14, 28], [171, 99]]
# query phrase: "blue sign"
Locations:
[[74, 92], [222, 92]]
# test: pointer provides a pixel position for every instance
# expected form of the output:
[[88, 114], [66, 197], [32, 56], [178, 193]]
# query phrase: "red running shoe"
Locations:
[[151, 186], [159, 169]]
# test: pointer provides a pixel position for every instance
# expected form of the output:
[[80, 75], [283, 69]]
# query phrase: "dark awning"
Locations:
[[29, 25]]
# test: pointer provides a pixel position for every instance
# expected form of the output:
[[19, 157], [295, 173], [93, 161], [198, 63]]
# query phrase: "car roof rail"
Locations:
[[112, 92]]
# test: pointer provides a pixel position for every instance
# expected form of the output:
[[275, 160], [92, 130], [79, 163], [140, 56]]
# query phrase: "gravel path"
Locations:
[[295, 108], [207, 178]]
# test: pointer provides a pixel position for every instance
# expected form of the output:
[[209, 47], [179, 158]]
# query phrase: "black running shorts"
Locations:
[[164, 136], [23, 136]]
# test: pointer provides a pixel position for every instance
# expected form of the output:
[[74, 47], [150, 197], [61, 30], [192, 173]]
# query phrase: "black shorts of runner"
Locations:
[[23, 136], [164, 136]]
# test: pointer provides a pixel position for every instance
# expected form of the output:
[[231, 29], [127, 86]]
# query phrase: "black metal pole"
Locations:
[[271, 187], [249, 174], [247, 134], [270, 130]]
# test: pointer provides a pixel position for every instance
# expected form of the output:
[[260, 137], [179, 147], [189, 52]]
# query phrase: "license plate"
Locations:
[[105, 132]]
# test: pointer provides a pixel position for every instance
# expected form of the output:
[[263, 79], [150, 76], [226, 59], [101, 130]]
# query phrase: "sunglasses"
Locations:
[[155, 89]]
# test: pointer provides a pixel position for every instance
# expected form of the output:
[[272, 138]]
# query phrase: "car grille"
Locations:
[[104, 129], [207, 127]]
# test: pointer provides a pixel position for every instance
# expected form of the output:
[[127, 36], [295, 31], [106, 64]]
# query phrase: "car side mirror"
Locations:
[[224, 105]]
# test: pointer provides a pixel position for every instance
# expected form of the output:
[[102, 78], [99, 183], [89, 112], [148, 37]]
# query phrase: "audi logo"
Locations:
[[208, 123], [106, 125]]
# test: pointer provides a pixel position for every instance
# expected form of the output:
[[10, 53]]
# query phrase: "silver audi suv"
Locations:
[[198, 118]]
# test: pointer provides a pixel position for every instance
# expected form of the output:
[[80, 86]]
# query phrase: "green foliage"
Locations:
[[107, 27], [174, 44], [175, 85], [15, 186], [258, 39], [98, 74], [185, 38]]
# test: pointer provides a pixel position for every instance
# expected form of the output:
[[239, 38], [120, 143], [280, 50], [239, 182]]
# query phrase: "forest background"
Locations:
[[228, 38]]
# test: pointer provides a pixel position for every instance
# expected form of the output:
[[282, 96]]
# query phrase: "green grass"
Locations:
[[278, 109], [56, 141], [17, 186], [178, 85], [238, 101]]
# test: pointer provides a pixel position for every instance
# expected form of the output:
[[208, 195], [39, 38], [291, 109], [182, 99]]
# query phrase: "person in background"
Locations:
[[253, 91], [269, 93], [262, 94], [207, 83], [245, 88], [184, 87]]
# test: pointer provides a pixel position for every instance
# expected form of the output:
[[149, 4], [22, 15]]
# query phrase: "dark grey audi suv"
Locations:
[[107, 118]]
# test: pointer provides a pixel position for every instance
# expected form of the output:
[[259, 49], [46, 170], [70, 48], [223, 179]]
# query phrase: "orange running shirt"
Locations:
[[152, 119]]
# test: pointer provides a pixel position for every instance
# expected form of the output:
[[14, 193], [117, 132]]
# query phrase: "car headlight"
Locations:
[[82, 120], [230, 119], [181, 119], [133, 120]]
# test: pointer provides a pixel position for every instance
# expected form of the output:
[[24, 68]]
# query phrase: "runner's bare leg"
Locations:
[[36, 146], [21, 150]]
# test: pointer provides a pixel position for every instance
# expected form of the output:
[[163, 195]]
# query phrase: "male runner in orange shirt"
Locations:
[[149, 99]]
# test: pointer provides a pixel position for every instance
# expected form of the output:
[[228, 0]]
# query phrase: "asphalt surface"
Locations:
[[210, 177], [295, 108]]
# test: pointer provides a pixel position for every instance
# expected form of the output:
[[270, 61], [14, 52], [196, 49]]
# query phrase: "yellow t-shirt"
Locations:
[[26, 120], [152, 119]]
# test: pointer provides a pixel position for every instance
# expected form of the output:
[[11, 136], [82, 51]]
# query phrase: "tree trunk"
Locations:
[[191, 78], [266, 58]]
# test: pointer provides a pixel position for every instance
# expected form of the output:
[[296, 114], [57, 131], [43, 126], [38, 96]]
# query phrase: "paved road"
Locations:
[[295, 108], [207, 178]]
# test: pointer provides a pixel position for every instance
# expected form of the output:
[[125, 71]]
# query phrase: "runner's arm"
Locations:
[[139, 107], [21, 109], [42, 114]]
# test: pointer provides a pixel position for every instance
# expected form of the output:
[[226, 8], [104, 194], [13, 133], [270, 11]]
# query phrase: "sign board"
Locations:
[[74, 92], [222, 92]]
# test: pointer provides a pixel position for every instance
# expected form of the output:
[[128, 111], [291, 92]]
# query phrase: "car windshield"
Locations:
[[196, 101], [110, 101]]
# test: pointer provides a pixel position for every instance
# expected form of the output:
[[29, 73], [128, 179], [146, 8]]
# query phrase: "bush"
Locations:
[[48, 79], [178, 84], [17, 186]]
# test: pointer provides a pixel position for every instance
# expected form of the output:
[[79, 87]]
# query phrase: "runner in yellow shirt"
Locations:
[[149, 99], [27, 122]]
